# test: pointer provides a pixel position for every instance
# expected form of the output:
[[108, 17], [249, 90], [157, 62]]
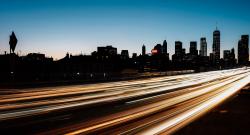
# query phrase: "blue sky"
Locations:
[[55, 27]]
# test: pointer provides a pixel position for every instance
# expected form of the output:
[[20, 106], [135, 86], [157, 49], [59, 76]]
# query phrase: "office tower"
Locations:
[[243, 50], [164, 47], [216, 46], [178, 48], [203, 47], [193, 48], [143, 50]]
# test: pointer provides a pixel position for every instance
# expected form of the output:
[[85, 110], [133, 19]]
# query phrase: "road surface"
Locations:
[[160, 105]]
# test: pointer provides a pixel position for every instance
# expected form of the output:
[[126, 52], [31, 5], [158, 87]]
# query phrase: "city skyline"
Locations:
[[193, 46], [79, 27]]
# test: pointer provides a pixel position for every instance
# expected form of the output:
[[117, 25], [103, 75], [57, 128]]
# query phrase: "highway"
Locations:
[[159, 105]]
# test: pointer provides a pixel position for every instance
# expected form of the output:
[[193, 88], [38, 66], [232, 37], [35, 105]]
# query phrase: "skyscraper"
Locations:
[[178, 48], [164, 47], [203, 47], [216, 46], [193, 48], [177, 58], [243, 50], [143, 50]]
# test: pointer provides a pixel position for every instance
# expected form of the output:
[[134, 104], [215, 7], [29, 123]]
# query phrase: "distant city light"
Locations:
[[154, 51]]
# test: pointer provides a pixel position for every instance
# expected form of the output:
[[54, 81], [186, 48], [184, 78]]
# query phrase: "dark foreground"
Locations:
[[145, 106], [231, 118]]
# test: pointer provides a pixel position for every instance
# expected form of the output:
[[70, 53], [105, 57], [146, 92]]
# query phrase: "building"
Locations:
[[216, 47], [37, 57], [124, 54], [164, 47], [107, 51], [183, 51], [178, 57], [226, 55], [178, 48], [143, 50], [134, 55], [233, 54], [203, 47], [157, 49], [193, 48], [211, 57], [243, 50], [229, 58]]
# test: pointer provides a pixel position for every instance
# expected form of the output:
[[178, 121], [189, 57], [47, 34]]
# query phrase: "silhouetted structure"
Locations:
[[157, 50], [105, 63], [143, 50], [216, 47], [203, 47], [134, 55], [107, 51], [228, 60], [193, 48], [177, 58], [124, 54], [164, 47], [243, 50], [12, 42], [178, 48]]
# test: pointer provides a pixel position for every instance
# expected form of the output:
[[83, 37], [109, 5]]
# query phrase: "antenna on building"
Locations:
[[216, 25]]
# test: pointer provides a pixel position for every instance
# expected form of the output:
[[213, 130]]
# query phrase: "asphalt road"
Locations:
[[160, 105]]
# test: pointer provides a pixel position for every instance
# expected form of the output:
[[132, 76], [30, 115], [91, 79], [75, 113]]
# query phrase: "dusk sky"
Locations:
[[55, 27]]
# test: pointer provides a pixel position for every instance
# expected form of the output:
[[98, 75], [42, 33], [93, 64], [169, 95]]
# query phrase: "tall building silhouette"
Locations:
[[193, 48], [164, 47], [216, 46], [233, 54], [178, 48], [143, 50], [178, 57], [203, 47], [243, 50]]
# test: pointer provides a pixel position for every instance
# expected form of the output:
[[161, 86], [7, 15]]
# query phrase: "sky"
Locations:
[[55, 27]]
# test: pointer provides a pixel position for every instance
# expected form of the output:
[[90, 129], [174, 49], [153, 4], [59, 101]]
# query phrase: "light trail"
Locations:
[[169, 126], [181, 99], [150, 109], [130, 93]]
